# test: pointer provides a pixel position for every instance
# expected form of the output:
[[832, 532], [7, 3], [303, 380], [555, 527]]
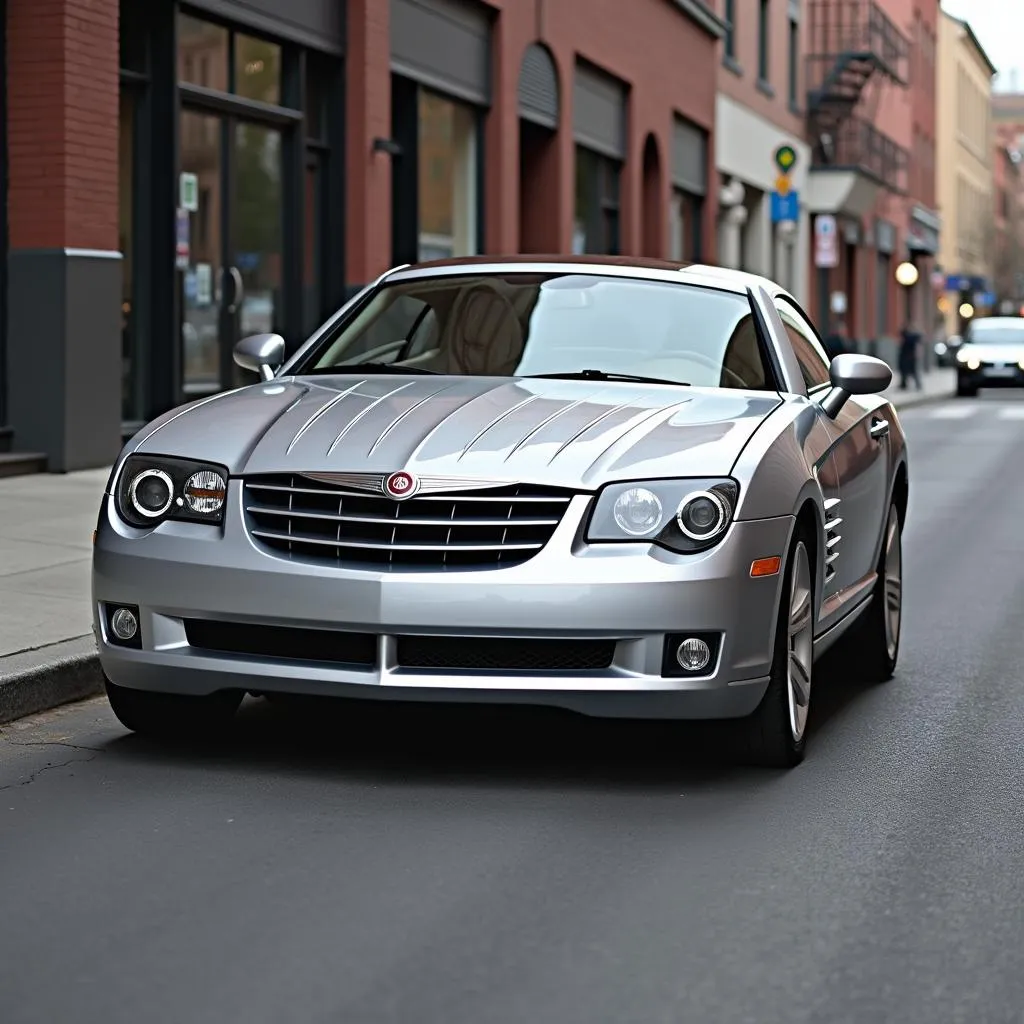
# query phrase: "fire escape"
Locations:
[[855, 52]]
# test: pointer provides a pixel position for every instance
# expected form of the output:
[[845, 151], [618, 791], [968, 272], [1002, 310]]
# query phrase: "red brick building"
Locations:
[[871, 121], [179, 175], [1008, 126]]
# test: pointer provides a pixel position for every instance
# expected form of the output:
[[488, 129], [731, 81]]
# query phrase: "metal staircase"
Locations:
[[854, 50]]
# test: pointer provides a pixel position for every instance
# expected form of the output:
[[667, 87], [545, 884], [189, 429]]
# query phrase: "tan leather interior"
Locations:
[[482, 334]]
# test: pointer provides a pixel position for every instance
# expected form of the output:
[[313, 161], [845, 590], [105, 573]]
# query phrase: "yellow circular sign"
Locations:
[[785, 157], [782, 185]]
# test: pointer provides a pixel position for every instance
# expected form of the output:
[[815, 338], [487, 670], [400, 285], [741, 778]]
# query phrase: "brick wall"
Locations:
[[62, 95], [668, 62]]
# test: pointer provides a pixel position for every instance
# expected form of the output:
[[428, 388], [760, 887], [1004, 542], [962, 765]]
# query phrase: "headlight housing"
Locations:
[[152, 489], [687, 516]]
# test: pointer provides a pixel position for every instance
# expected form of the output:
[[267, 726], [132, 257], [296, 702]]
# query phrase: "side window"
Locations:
[[806, 347]]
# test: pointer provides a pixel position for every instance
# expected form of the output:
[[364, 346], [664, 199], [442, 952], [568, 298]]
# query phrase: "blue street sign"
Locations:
[[785, 207]]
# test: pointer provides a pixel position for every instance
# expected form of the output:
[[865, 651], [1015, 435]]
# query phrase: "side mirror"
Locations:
[[854, 374], [261, 353]]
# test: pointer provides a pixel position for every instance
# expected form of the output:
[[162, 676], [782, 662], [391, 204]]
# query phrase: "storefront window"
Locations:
[[447, 178], [202, 53], [597, 204], [257, 69]]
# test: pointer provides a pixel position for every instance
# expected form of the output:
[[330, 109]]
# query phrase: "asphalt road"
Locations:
[[466, 870]]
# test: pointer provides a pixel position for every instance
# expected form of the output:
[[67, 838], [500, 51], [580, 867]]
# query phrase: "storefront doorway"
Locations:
[[232, 179], [232, 282]]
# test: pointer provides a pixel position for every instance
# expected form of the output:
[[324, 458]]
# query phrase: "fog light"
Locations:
[[123, 624], [693, 654]]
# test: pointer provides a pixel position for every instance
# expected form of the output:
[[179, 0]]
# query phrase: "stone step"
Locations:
[[21, 463]]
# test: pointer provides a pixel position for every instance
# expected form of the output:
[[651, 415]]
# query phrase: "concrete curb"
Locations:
[[46, 677]]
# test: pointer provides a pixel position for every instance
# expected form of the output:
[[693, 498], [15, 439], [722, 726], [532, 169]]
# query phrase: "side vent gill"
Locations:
[[832, 537]]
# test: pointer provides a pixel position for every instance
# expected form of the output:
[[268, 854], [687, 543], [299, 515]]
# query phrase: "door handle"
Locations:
[[238, 291], [879, 428]]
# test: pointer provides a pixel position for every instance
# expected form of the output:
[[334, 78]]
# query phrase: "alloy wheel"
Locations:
[[893, 583], [800, 635]]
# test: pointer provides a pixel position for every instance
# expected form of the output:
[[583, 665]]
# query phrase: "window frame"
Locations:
[[812, 336], [764, 42]]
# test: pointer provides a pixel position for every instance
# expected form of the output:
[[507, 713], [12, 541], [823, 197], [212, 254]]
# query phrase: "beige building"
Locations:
[[964, 167]]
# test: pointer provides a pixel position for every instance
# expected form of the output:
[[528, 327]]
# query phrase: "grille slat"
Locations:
[[475, 528], [474, 496], [390, 520]]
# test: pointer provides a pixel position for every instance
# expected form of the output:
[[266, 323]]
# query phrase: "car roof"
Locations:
[[999, 321], [646, 267]]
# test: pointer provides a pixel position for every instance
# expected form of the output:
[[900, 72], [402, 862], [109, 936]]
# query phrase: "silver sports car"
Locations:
[[618, 486]]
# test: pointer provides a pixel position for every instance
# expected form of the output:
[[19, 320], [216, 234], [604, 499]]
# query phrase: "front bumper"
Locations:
[[988, 375], [629, 596]]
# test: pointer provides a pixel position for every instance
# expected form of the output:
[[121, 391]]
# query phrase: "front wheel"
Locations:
[[171, 715], [776, 732], [965, 390], [871, 648]]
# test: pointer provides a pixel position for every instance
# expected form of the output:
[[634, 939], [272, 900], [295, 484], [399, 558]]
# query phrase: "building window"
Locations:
[[448, 165], [597, 203], [794, 64], [685, 237], [730, 29], [763, 40]]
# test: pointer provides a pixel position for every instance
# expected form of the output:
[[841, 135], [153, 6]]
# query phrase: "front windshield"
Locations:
[[524, 325], [981, 333]]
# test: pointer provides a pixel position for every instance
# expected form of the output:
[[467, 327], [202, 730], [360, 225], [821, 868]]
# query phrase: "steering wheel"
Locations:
[[699, 357]]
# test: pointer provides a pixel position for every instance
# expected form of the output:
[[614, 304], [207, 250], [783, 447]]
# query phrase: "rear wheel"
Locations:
[[172, 715], [776, 732]]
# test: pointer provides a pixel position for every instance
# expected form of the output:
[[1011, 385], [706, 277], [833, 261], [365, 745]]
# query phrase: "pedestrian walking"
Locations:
[[837, 342], [910, 344]]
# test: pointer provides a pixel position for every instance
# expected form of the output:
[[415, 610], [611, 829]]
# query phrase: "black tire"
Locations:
[[964, 390], [172, 715], [867, 652], [771, 739]]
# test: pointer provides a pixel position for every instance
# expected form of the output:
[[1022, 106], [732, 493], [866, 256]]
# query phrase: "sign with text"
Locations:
[[785, 207], [188, 192], [182, 248], [826, 241]]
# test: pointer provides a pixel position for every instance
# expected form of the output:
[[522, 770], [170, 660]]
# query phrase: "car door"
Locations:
[[861, 458]]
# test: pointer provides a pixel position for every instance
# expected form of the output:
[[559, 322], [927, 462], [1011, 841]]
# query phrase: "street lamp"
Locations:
[[908, 275]]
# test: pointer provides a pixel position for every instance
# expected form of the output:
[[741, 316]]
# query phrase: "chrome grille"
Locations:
[[321, 523]]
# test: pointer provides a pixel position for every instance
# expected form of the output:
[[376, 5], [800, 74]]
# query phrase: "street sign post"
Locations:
[[826, 241]]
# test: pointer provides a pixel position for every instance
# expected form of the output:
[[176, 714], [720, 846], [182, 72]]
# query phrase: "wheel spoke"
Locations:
[[799, 679], [800, 613], [893, 594]]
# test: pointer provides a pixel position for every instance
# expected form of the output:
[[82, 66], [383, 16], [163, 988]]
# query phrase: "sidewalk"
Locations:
[[47, 650]]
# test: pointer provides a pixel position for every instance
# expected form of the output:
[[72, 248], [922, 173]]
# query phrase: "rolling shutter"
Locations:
[[445, 45], [599, 112], [538, 88], [689, 158], [318, 24]]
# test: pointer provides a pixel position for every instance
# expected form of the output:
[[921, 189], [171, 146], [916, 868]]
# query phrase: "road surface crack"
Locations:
[[46, 767], [51, 743]]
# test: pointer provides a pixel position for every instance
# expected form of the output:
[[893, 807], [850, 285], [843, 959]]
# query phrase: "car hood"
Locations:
[[556, 432], [1005, 353]]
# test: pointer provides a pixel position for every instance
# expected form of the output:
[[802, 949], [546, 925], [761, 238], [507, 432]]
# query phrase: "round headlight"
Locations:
[[151, 493], [638, 511], [702, 515], [205, 492]]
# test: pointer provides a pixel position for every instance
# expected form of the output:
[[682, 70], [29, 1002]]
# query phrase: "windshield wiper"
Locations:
[[606, 375], [365, 368]]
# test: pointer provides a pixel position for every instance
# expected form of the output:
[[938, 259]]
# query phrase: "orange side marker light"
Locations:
[[766, 566]]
